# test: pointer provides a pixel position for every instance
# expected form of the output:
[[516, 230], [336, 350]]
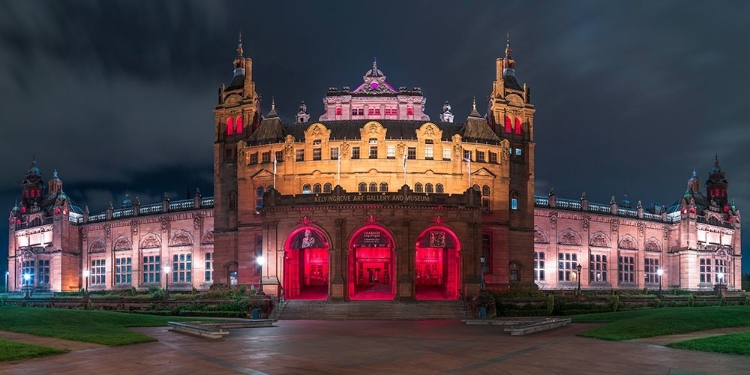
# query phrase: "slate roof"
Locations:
[[238, 82], [511, 82]]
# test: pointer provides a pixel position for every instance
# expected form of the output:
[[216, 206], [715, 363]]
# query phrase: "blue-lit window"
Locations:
[[514, 203], [518, 152]]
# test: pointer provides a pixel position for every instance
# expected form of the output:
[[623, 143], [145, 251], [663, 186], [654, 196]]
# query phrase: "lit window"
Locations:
[[508, 125], [266, 157], [650, 266], [230, 129], [446, 153], [428, 152], [334, 153], [373, 152], [208, 267], [518, 152], [279, 156], [355, 152], [370, 111], [98, 271], [467, 155], [513, 203], [28, 268], [317, 154], [410, 111], [538, 266], [567, 266], [518, 126], [123, 270], [390, 152], [238, 125], [480, 156], [306, 189], [338, 111], [300, 155], [597, 268], [259, 197]]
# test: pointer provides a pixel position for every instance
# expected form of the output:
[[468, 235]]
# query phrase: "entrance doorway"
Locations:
[[371, 265], [306, 265], [437, 265]]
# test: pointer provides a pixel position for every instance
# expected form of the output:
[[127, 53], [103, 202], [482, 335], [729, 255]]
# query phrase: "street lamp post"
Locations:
[[720, 275], [26, 279], [261, 260], [166, 278], [660, 272], [481, 282], [578, 268], [7, 275], [86, 274]]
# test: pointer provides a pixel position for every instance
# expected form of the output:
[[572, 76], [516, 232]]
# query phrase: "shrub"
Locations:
[[691, 300], [243, 289], [747, 299], [550, 304], [657, 303], [615, 302], [723, 301]]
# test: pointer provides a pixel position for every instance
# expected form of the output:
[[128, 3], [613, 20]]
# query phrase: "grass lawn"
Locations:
[[629, 325], [100, 327], [11, 351], [736, 343]]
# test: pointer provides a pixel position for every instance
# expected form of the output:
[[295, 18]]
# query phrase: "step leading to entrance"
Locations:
[[375, 310]]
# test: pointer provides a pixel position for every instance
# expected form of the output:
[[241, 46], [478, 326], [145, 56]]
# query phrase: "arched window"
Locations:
[[362, 187], [428, 188], [269, 188], [230, 129], [238, 125], [514, 200], [383, 187], [418, 188], [306, 189], [508, 125], [439, 188], [518, 126], [373, 187], [232, 200], [316, 189], [259, 197], [327, 188], [477, 188], [485, 191]]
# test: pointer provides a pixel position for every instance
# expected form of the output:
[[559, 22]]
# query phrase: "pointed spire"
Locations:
[[508, 51], [273, 108], [240, 51], [474, 112], [239, 61]]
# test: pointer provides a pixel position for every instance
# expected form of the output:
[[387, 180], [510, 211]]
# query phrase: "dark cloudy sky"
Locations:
[[118, 95]]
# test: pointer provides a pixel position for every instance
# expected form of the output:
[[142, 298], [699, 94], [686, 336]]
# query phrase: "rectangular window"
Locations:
[[254, 158], [480, 156], [182, 268], [567, 266], [411, 153], [377, 111], [390, 152], [355, 152], [98, 271], [539, 266], [467, 155], [372, 141], [370, 111], [354, 111], [151, 269], [705, 270], [279, 156], [514, 203], [373, 152], [428, 152], [208, 267], [334, 153], [410, 111], [338, 111], [361, 111], [493, 157], [518, 152], [123, 270], [650, 266], [720, 271], [597, 268], [446, 153], [626, 269], [317, 154], [317, 142], [43, 271], [266, 157], [300, 155], [28, 268]]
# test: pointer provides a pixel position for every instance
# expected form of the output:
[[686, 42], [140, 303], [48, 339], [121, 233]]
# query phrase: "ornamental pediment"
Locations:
[[262, 174], [317, 131], [484, 172]]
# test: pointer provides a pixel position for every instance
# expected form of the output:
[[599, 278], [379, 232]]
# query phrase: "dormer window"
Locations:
[[317, 142], [373, 141]]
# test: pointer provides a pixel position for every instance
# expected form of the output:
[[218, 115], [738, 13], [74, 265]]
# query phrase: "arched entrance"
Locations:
[[371, 264], [306, 264], [437, 265]]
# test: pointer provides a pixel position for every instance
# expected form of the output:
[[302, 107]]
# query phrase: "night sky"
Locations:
[[631, 96]]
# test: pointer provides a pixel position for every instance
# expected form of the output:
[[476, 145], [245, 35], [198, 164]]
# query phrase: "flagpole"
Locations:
[[469, 160], [404, 167], [274, 170]]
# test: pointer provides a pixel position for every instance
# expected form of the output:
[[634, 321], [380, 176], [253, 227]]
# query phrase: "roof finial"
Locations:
[[375, 65], [474, 103], [239, 46], [507, 44], [716, 160], [273, 103]]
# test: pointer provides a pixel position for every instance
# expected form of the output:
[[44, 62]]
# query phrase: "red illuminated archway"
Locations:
[[306, 265], [372, 264], [437, 264]]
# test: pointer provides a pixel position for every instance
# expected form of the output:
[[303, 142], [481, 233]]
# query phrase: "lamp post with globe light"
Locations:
[[578, 268], [166, 276], [720, 275], [261, 260], [26, 279], [660, 272]]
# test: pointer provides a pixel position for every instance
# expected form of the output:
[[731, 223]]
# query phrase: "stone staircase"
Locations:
[[373, 310]]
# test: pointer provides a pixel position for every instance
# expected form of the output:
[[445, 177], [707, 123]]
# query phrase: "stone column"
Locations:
[[338, 263], [405, 263]]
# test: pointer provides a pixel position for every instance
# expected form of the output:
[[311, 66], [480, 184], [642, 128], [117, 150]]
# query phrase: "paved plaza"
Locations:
[[382, 347]]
